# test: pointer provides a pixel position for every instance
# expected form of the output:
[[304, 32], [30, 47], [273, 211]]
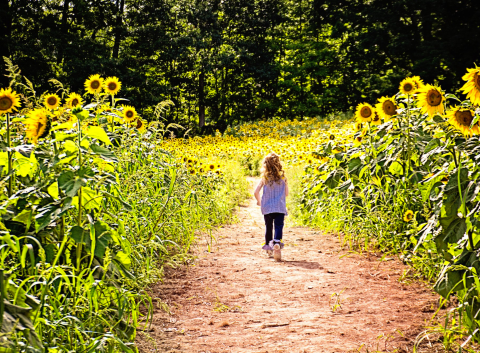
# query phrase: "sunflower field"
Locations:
[[409, 183], [92, 207], [96, 201]]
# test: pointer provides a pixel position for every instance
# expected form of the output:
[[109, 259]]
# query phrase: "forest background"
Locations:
[[223, 62]]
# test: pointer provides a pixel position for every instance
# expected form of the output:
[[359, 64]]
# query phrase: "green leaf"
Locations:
[[53, 190], [3, 158], [105, 153], [354, 164], [90, 199], [24, 217], [81, 114], [124, 259], [80, 235], [70, 184], [70, 146], [396, 168], [448, 283], [24, 165], [102, 237], [98, 133]]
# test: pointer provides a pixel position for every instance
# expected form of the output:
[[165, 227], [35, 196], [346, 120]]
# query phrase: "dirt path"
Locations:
[[236, 299]]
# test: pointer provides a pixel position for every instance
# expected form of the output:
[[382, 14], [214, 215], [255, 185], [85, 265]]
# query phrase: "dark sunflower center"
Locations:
[[476, 79], [464, 118], [75, 102], [332, 137], [39, 128], [129, 114], [409, 216], [359, 138], [212, 167], [434, 98], [95, 84], [408, 87], [5, 103], [366, 112], [139, 124], [112, 86], [389, 108], [52, 101]]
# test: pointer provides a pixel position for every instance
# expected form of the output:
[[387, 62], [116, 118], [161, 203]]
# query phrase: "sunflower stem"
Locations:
[[408, 139], [113, 106], [79, 216], [9, 154]]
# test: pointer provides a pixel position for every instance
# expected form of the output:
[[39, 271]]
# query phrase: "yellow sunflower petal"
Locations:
[[364, 112], [430, 99], [94, 84], [386, 108], [9, 101], [461, 118], [408, 86], [112, 85], [472, 87], [74, 100]]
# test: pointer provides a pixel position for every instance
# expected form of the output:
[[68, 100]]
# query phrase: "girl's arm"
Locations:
[[257, 192], [286, 188]]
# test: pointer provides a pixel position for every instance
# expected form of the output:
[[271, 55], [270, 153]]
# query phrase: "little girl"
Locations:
[[273, 204]]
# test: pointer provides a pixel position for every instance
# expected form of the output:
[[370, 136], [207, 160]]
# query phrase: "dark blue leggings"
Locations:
[[270, 220]]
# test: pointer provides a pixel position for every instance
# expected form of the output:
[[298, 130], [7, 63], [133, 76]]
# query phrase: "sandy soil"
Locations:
[[320, 298]]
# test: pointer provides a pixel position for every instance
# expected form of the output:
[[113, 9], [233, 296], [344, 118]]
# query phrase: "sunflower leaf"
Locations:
[[105, 153], [98, 133], [70, 184]]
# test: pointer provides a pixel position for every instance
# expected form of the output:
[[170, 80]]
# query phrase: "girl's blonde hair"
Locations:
[[272, 169]]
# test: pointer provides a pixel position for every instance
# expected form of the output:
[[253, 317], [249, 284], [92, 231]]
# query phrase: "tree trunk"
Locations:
[[64, 31], [5, 34], [118, 28], [201, 98]]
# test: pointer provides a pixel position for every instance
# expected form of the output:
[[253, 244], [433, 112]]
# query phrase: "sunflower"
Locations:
[[51, 101], [9, 101], [129, 113], [386, 108], [431, 98], [408, 216], [74, 100], [462, 119], [112, 85], [408, 86], [376, 119], [211, 166], [94, 84], [472, 87], [192, 171], [357, 141], [37, 125], [364, 112], [140, 125], [331, 137], [418, 82]]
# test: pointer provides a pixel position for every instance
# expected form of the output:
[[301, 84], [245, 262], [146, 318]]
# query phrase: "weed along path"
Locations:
[[320, 298]]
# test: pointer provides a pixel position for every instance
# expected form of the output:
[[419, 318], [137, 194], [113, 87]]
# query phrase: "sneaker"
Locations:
[[270, 253], [277, 252], [273, 242]]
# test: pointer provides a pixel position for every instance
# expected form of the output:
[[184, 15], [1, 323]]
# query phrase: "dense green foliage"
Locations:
[[89, 216], [234, 60], [409, 186]]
